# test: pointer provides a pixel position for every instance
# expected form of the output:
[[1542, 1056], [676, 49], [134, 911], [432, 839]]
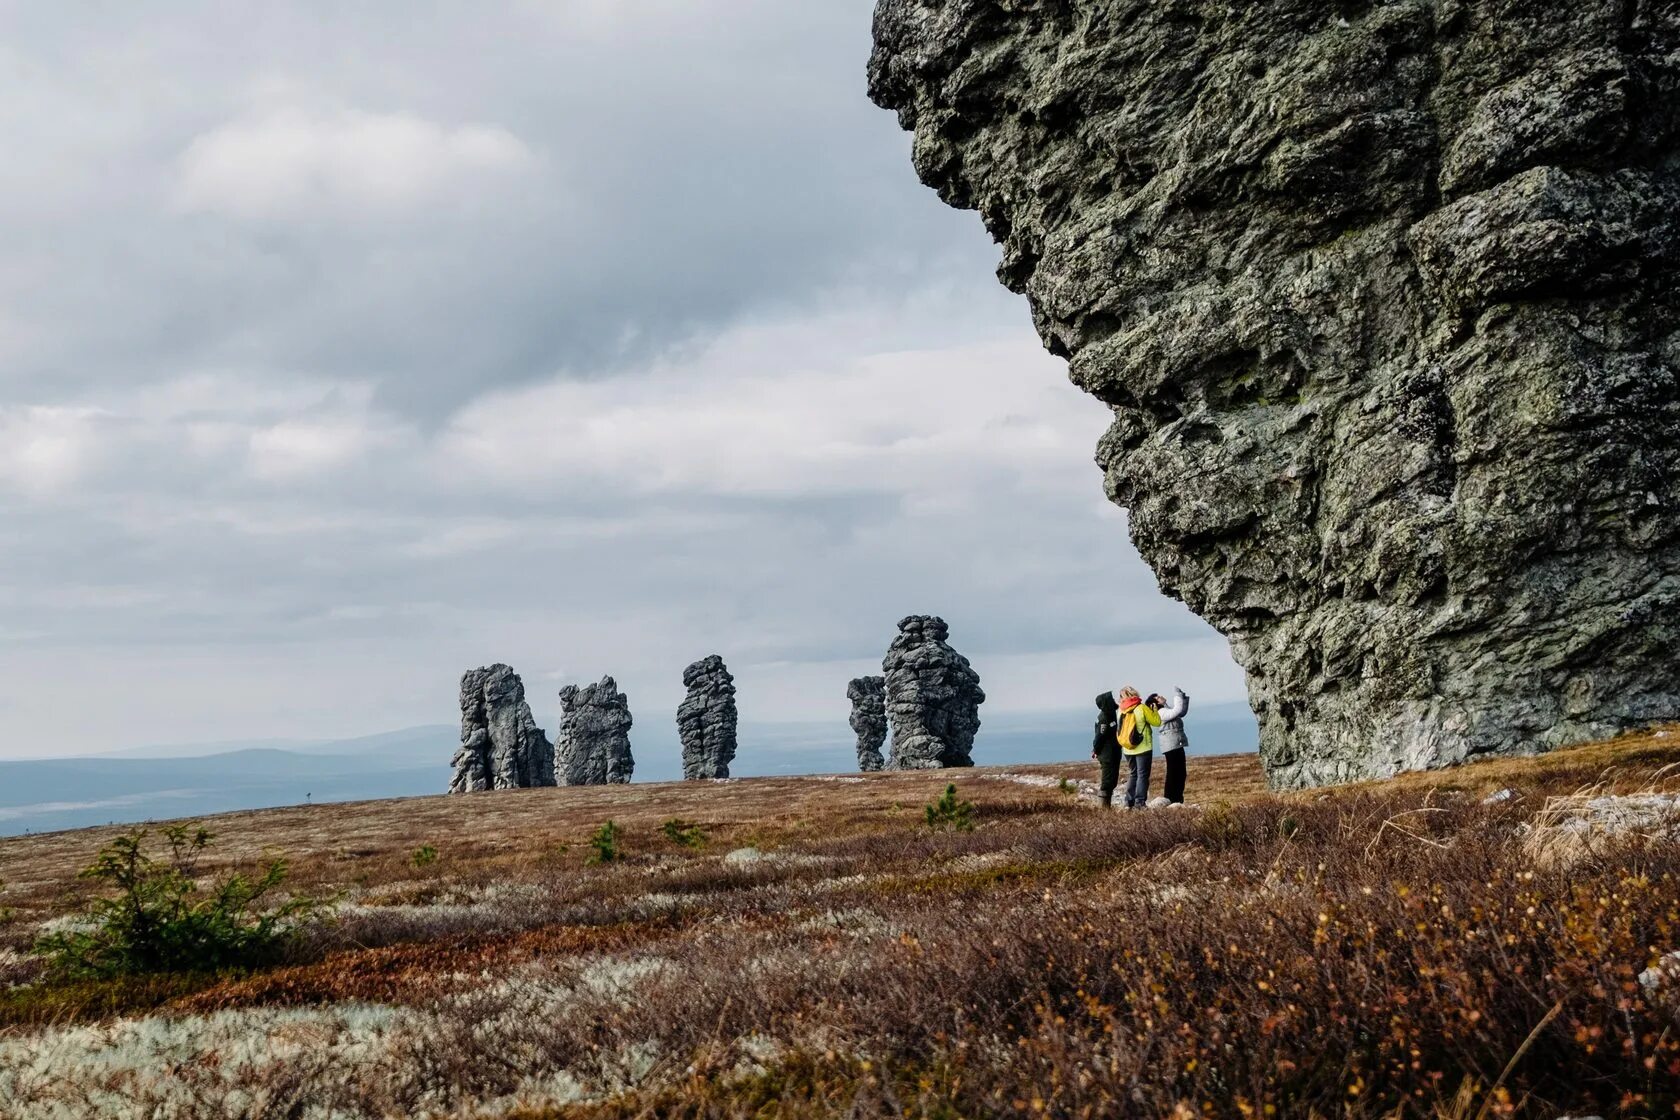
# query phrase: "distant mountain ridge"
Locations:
[[419, 738], [41, 795]]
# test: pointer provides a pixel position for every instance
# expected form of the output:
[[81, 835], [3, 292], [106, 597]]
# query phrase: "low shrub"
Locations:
[[684, 833], [604, 841], [951, 812], [424, 856], [1221, 826], [159, 920]]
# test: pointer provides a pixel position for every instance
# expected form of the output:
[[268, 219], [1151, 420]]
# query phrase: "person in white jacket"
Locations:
[[1172, 740]]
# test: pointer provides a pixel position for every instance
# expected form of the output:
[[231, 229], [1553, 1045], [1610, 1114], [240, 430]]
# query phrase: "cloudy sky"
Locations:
[[346, 346]]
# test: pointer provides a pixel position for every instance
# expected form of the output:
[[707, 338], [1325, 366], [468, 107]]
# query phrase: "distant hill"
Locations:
[[409, 744], [163, 782]]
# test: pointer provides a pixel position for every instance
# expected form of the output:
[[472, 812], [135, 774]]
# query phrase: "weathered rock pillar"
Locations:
[[592, 747], [869, 719], [706, 719], [933, 697], [501, 745]]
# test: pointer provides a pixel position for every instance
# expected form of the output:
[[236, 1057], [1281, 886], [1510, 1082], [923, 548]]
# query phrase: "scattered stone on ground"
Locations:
[[869, 719], [933, 698], [746, 857], [501, 745], [1661, 984], [1384, 310], [1499, 795], [706, 719], [1657, 812], [1662, 976], [592, 747], [1084, 788], [1571, 829]]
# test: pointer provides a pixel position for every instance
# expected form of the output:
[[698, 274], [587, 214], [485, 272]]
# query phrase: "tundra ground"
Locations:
[[1407, 948]]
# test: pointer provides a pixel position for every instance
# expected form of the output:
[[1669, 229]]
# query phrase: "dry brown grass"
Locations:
[[519, 835], [1384, 949]]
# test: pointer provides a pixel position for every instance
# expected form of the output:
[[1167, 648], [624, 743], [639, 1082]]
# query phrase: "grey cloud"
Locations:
[[684, 172], [690, 364]]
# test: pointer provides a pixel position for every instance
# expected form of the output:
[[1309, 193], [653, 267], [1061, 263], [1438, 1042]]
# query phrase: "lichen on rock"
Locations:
[[592, 747], [1383, 300], [501, 745], [869, 719], [933, 697], [707, 719]]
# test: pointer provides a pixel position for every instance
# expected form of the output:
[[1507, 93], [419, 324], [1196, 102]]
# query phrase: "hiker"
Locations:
[[1172, 739], [1105, 746], [1137, 742]]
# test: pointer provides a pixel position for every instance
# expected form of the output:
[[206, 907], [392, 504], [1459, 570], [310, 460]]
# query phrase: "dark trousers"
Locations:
[[1175, 776], [1137, 785], [1109, 762]]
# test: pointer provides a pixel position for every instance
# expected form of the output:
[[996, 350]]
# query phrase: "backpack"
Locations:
[[1129, 734]]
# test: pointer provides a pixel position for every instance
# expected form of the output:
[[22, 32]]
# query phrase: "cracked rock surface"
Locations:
[[869, 719], [501, 745], [592, 747], [933, 698], [706, 719], [1383, 300]]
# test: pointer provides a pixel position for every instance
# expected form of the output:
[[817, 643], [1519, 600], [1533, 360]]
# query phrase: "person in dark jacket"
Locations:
[[1105, 747]]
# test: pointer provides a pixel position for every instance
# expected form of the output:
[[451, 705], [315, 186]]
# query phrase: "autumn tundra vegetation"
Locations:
[[1492, 940]]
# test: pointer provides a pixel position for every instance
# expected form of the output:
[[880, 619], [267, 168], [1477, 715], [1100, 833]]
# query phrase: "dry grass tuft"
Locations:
[[1571, 828]]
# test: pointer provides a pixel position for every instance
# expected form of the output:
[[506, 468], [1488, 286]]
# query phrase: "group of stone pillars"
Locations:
[[503, 748], [928, 698]]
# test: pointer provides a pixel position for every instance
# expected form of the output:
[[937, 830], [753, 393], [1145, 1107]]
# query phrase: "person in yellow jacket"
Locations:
[[1138, 722]]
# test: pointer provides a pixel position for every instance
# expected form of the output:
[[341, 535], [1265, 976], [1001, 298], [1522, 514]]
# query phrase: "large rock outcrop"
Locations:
[[501, 745], [706, 719], [933, 697], [592, 747], [1383, 299], [869, 719]]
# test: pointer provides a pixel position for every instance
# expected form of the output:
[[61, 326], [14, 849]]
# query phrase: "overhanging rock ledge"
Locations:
[[1382, 296]]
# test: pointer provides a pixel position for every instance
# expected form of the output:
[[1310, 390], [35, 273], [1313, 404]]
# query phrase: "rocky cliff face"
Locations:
[[933, 697], [592, 747], [501, 745], [1382, 296], [869, 719], [706, 719]]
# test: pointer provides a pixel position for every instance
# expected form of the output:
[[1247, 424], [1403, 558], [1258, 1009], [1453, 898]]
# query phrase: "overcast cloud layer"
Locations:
[[344, 347]]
